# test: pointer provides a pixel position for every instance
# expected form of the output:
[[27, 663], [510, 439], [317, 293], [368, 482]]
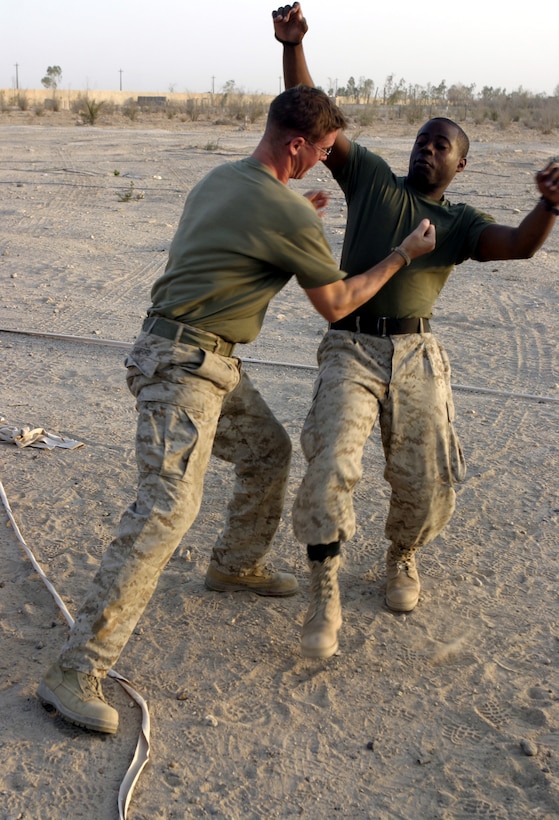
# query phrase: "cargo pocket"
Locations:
[[142, 359], [165, 440]]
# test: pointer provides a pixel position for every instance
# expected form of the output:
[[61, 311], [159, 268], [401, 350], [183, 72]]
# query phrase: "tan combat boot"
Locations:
[[260, 579], [78, 697], [402, 580], [324, 617]]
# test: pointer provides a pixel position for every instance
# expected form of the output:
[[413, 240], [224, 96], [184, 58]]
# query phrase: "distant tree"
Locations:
[[332, 87], [52, 78], [366, 88], [439, 92], [416, 93], [388, 88], [460, 94], [490, 95], [394, 92], [352, 90], [399, 93]]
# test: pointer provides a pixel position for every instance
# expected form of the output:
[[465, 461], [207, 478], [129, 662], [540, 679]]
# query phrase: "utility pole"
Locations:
[[17, 76], [279, 78], [120, 72]]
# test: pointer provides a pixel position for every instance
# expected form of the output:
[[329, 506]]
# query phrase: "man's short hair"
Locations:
[[305, 111], [463, 140]]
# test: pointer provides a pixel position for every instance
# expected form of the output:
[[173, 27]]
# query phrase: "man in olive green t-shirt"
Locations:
[[382, 361], [242, 236]]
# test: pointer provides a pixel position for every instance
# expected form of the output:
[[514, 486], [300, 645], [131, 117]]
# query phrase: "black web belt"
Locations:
[[188, 335], [381, 325]]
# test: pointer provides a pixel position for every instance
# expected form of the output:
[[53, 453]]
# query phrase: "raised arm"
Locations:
[[502, 242], [289, 29], [340, 298]]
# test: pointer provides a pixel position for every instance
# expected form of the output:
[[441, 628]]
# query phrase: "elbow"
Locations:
[[329, 310], [524, 253], [334, 314], [342, 306]]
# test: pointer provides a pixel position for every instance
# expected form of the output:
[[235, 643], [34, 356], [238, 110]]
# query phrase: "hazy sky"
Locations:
[[199, 46]]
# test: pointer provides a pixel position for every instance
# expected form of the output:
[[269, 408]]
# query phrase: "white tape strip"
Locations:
[[141, 754]]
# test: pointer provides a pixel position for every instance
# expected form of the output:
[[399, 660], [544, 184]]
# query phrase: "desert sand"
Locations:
[[449, 712]]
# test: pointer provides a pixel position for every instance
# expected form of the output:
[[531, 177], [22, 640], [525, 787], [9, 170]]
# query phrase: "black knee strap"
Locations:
[[318, 552]]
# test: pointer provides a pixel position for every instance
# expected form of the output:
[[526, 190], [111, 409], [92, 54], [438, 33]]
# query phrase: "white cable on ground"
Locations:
[[126, 346], [142, 751]]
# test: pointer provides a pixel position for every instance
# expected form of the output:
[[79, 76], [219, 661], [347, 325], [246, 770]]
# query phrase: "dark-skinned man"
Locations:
[[383, 361]]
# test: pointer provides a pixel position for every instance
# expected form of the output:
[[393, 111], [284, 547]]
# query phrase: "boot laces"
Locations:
[[322, 588], [404, 565], [259, 571], [91, 686], [401, 561]]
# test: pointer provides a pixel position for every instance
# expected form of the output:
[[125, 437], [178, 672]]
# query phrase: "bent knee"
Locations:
[[280, 445]]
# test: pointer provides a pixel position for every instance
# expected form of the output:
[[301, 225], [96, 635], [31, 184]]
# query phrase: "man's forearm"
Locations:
[[533, 231], [502, 242], [341, 298], [295, 69]]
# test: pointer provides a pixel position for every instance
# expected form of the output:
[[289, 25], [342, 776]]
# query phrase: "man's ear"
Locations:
[[461, 165], [296, 144]]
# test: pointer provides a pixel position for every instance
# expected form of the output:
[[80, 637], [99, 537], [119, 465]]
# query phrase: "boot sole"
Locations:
[[400, 608], [319, 652], [48, 698]]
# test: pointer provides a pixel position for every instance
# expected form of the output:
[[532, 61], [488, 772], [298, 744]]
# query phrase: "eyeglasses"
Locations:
[[325, 151]]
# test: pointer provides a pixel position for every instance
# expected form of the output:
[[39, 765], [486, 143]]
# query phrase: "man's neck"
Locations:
[[437, 195], [264, 153]]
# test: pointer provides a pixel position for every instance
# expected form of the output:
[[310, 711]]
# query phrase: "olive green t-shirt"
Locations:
[[242, 235], [377, 201]]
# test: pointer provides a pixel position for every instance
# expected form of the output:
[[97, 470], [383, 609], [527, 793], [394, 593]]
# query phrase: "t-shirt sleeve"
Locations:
[[478, 221], [362, 163], [305, 254]]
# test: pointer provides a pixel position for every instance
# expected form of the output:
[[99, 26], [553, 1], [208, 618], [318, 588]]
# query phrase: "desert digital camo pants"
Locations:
[[405, 381], [191, 404]]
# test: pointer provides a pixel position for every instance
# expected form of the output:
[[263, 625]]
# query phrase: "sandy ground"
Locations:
[[449, 712]]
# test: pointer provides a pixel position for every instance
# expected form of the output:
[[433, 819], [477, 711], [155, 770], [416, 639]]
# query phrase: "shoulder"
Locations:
[[361, 155], [467, 213], [363, 167]]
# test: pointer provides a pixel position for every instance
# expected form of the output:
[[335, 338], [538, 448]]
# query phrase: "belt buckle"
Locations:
[[381, 326]]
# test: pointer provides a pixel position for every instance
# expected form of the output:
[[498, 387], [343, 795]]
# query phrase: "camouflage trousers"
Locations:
[[191, 404], [403, 380]]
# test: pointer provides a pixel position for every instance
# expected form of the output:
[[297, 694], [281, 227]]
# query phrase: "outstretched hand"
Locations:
[[420, 241], [289, 24], [548, 181]]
